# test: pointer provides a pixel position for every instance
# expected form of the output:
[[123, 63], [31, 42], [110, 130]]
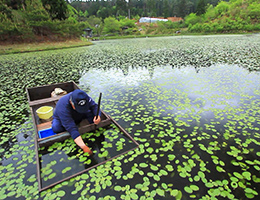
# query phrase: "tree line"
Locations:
[[38, 20], [141, 8]]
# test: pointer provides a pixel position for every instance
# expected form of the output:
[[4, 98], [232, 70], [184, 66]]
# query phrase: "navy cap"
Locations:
[[80, 100]]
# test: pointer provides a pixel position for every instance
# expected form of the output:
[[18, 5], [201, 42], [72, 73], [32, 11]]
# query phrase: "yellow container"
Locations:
[[45, 112]]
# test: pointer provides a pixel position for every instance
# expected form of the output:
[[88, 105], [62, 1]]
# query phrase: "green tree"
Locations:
[[222, 8], [201, 7], [73, 14], [182, 8], [104, 12], [121, 8], [127, 22], [192, 19], [57, 8], [210, 13], [111, 25], [7, 27], [96, 24], [166, 9]]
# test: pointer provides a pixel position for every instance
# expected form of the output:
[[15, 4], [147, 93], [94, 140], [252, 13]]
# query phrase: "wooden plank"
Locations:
[[44, 101], [44, 126], [43, 92], [37, 154]]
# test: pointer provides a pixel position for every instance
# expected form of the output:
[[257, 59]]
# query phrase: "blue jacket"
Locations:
[[69, 118]]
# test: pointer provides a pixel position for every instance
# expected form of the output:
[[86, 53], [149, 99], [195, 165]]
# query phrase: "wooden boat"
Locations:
[[41, 96]]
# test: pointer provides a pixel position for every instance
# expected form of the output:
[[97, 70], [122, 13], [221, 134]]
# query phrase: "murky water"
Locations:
[[191, 102]]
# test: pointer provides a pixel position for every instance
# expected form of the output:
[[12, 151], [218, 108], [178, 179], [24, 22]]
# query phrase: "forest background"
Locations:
[[57, 20]]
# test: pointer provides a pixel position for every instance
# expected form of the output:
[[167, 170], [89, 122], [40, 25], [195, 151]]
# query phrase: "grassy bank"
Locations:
[[42, 46]]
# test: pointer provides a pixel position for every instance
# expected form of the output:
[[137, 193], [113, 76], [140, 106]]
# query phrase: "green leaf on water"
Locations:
[[194, 187], [171, 157], [238, 175], [188, 189], [149, 150], [249, 195], [174, 192], [239, 158], [117, 188], [88, 162], [61, 193], [256, 179], [209, 185], [133, 196], [66, 170], [164, 186], [156, 177], [154, 168], [160, 192], [251, 191], [220, 169], [201, 174], [163, 172], [143, 165], [92, 198], [98, 188], [52, 175], [85, 176], [169, 168], [247, 175]]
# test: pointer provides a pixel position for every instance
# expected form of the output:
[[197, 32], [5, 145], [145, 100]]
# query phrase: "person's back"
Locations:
[[70, 110]]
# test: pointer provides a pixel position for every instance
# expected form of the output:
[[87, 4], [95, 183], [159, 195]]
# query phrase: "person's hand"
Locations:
[[86, 149], [97, 121]]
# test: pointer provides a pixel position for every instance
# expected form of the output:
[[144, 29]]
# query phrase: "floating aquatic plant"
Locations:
[[191, 102]]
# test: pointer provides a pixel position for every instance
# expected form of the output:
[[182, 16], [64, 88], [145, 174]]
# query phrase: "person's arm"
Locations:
[[82, 145], [69, 124]]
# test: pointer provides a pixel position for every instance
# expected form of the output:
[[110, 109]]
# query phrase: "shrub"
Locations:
[[6, 25], [127, 22], [206, 27], [192, 19], [195, 28], [111, 25], [222, 8], [254, 11], [249, 27], [210, 13], [217, 27]]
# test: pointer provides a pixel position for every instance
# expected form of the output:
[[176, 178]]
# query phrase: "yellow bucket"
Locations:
[[45, 112]]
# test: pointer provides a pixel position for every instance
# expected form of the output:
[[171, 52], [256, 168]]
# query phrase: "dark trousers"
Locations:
[[58, 128]]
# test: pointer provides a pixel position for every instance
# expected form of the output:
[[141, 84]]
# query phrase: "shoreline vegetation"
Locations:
[[42, 25], [7, 48], [41, 46]]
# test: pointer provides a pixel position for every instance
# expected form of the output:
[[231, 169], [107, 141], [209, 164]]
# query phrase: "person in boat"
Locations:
[[70, 110]]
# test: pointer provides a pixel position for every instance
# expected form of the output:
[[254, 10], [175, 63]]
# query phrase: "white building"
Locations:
[[151, 20]]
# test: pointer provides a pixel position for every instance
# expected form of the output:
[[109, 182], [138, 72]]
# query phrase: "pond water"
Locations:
[[192, 103]]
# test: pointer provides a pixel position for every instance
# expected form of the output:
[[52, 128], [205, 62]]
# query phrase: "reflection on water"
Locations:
[[205, 113], [215, 86]]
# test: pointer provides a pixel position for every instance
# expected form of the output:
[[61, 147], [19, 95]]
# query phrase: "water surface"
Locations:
[[191, 102]]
